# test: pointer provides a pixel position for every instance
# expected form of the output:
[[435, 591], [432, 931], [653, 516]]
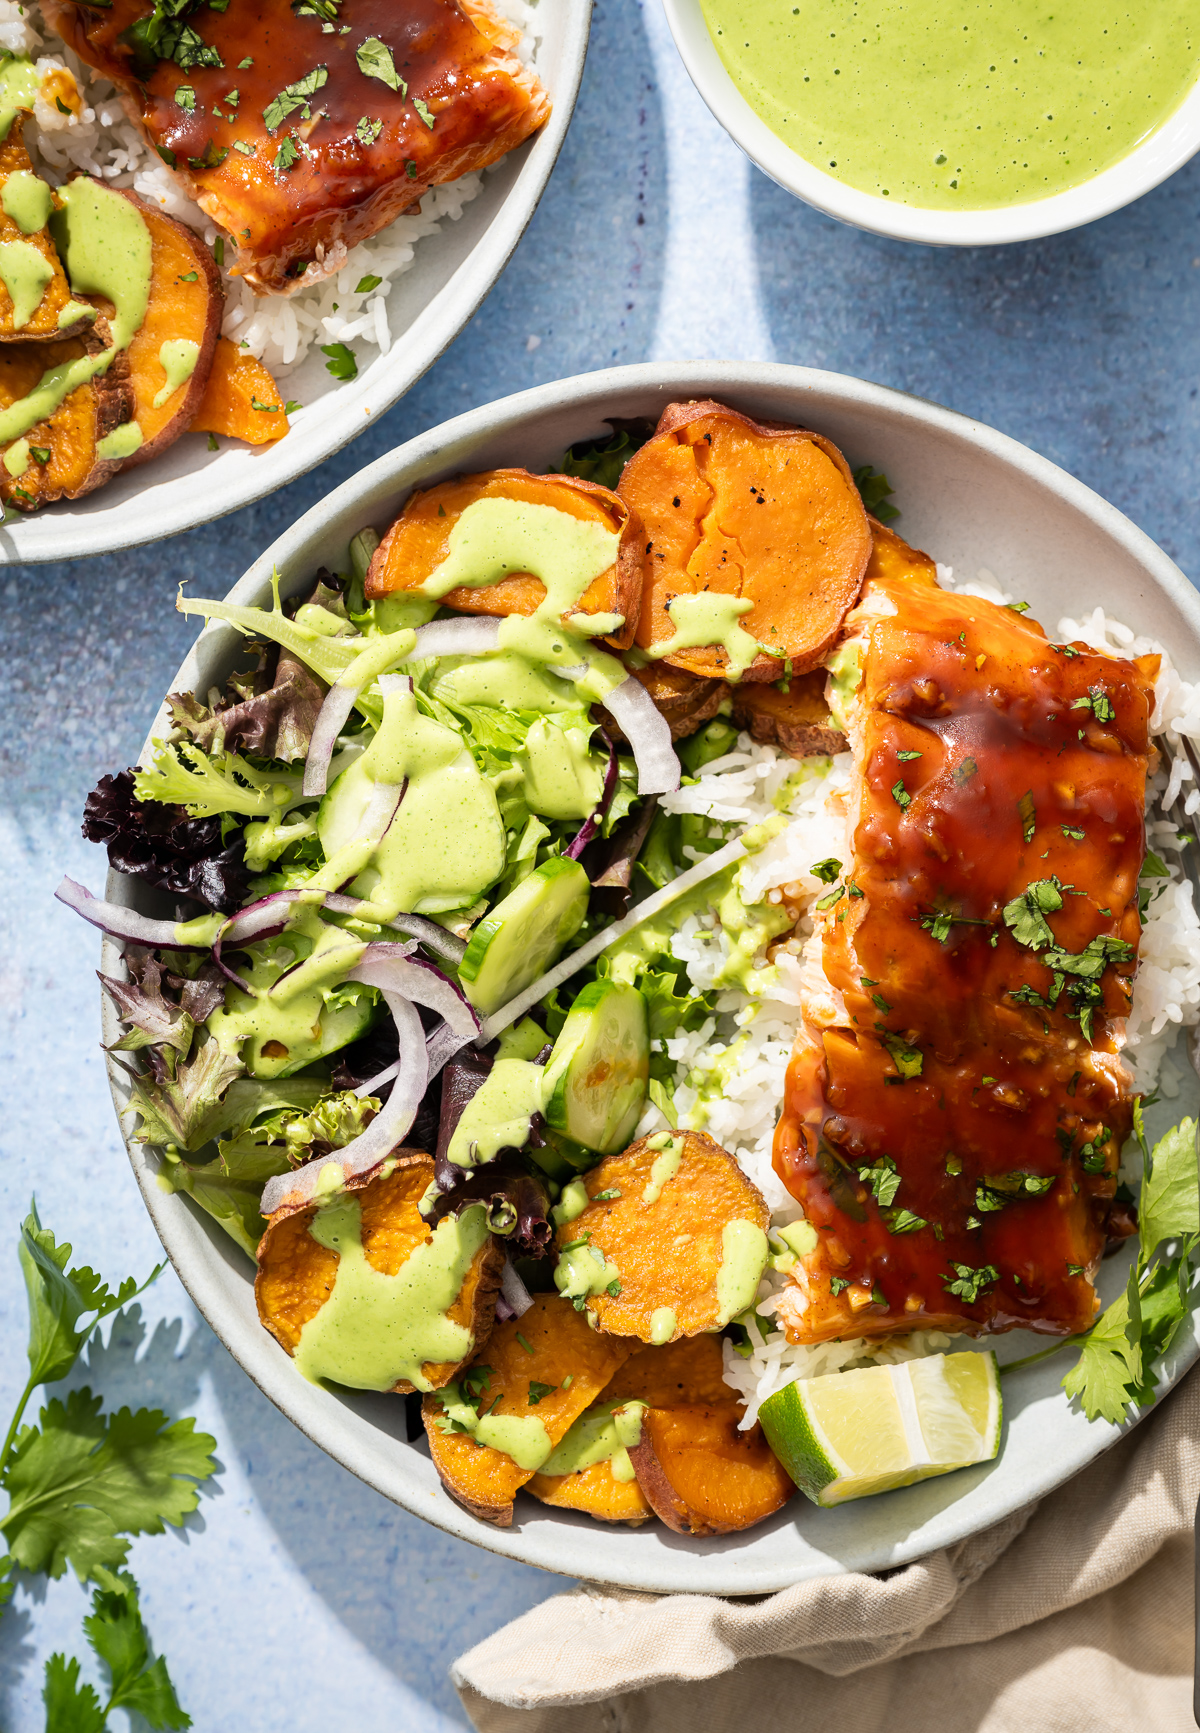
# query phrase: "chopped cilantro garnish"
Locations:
[[903, 1221], [1074, 1269], [1027, 815], [264, 408], [375, 61], [410, 168], [908, 1060], [878, 1297], [366, 284], [291, 406], [875, 492], [613, 1289], [901, 795], [286, 156], [969, 1283], [607, 1195], [880, 1003], [213, 156], [243, 64], [538, 1391], [189, 277], [964, 772], [1097, 701], [1018, 607], [905, 756], [953, 1164], [40, 453], [826, 870], [212, 442], [883, 1180], [1071, 833], [830, 898], [524, 1343], [837, 1283], [368, 130], [219, 250], [185, 96], [423, 112], [341, 362], [246, 149], [294, 96]]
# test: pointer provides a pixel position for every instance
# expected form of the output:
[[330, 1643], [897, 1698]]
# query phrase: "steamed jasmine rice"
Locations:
[[729, 1073], [278, 329]]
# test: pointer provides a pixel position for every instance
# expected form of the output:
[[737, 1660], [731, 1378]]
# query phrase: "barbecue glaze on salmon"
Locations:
[[956, 1100], [281, 137]]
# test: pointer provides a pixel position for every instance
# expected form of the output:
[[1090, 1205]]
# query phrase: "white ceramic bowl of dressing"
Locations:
[[1174, 143], [972, 497]]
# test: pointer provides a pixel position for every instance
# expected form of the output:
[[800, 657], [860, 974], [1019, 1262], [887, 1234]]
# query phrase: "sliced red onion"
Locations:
[[381, 810], [440, 1047], [514, 1290], [592, 823], [468, 635], [386, 1131], [648, 733], [433, 937], [339, 702], [121, 923], [393, 968]]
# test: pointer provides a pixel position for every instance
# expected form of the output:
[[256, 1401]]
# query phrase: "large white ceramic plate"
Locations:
[[972, 497], [1174, 143], [427, 308]]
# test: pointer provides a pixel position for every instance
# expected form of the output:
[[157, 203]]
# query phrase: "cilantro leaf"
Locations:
[[901, 795], [366, 284], [1169, 1208], [80, 1481], [70, 1706], [286, 156], [1025, 915], [59, 1297], [375, 61], [1110, 1361], [423, 112], [962, 773], [826, 870], [883, 1179], [909, 1060], [875, 492], [837, 1283], [341, 362], [294, 96], [903, 1221], [969, 1283], [1097, 701], [118, 1637], [368, 130]]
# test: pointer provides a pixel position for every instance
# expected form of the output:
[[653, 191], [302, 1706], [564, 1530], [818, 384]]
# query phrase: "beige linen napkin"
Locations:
[[1072, 1616]]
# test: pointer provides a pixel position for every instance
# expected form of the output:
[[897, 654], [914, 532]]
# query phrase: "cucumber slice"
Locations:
[[524, 934], [596, 1077]]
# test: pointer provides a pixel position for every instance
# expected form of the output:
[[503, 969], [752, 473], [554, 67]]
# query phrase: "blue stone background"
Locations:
[[296, 1598]]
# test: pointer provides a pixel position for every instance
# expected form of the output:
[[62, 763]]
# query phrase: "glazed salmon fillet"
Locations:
[[303, 131], [956, 1099]]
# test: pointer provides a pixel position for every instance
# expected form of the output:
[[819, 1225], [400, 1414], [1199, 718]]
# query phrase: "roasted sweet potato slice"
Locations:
[[596, 1491], [419, 540], [797, 721], [891, 557], [298, 1274], [548, 1384], [686, 702], [763, 514], [702, 1476], [172, 351], [33, 289], [672, 1242], [685, 1372], [61, 455], [241, 400]]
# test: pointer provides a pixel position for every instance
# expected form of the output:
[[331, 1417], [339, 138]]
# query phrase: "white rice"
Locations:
[[730, 1073], [278, 329]]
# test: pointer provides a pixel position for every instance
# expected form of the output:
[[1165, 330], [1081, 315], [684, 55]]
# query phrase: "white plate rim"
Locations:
[[360, 1432], [159, 505]]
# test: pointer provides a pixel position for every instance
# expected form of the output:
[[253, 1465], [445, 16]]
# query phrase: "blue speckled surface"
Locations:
[[296, 1598]]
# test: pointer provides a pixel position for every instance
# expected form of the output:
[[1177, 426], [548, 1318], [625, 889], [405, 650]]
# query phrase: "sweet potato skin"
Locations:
[[235, 382], [699, 484], [42, 324], [417, 542], [702, 1476], [797, 721], [72, 433], [668, 1251], [176, 309], [296, 1274], [484, 1480]]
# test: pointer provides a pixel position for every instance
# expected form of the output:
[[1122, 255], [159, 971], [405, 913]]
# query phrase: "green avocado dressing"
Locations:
[[122, 442], [707, 618], [603, 1433], [53, 388], [505, 680], [521, 1436], [662, 1325], [446, 843], [845, 677], [17, 459], [178, 358], [744, 1253], [971, 105], [72, 312], [18, 91], [375, 1330], [104, 244], [571, 1204], [26, 200], [564, 778], [584, 1271], [663, 1168], [495, 537], [498, 1115], [26, 274]]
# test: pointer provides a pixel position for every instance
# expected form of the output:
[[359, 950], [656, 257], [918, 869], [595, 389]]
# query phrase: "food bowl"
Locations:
[[1174, 144], [974, 498], [428, 306]]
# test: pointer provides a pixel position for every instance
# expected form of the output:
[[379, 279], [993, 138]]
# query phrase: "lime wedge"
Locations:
[[850, 1434]]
